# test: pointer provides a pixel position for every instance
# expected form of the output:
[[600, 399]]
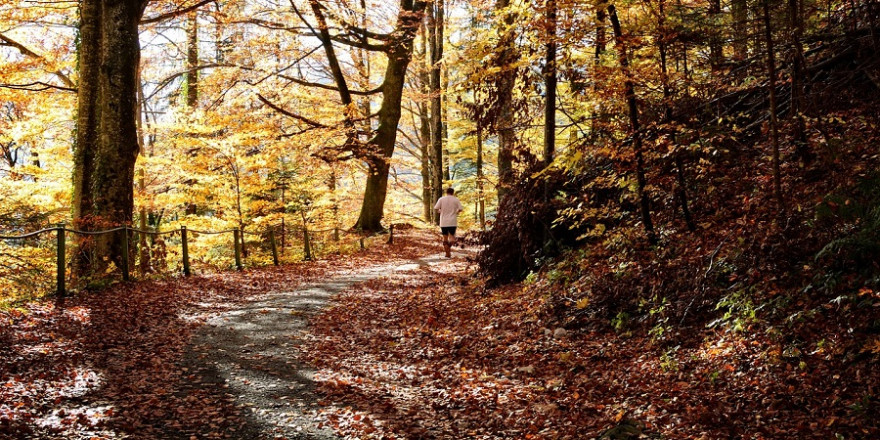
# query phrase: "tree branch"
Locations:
[[177, 13], [36, 86], [359, 31], [6, 41], [289, 114]]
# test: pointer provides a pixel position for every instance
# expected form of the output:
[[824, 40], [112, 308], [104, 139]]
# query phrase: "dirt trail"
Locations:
[[253, 351]]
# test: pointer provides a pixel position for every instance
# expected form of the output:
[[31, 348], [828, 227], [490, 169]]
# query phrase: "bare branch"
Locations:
[[6, 41], [289, 114], [177, 13], [37, 86]]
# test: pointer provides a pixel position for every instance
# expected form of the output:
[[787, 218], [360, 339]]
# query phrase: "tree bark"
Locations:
[[774, 123], [481, 198], [332, 60], [106, 145], [740, 13], [363, 65], [681, 183], [632, 105], [444, 87], [425, 141], [550, 84], [601, 42], [425, 130], [504, 84], [435, 39], [382, 144], [192, 60], [797, 82], [716, 52]]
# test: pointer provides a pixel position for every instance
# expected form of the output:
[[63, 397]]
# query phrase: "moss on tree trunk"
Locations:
[[382, 144], [106, 144]]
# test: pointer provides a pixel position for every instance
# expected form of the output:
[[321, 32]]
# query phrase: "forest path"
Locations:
[[253, 352]]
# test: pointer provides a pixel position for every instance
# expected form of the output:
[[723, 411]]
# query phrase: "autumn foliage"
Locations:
[[672, 213]]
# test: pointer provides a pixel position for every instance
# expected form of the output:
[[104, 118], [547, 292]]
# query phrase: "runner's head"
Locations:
[[450, 191]]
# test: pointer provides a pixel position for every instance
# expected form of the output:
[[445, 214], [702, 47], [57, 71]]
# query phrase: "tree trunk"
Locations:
[[505, 114], [192, 60], [681, 184], [601, 41], [481, 198], [427, 194], [191, 85], [440, 20], [363, 66], [774, 123], [144, 255], [425, 133], [106, 146], [716, 53], [632, 105], [383, 142], [740, 12], [331, 185], [332, 60], [550, 84], [435, 39], [797, 82]]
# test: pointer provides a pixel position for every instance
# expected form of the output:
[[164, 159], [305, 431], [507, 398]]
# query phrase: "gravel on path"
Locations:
[[252, 351]]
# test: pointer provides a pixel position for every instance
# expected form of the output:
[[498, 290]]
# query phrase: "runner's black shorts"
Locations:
[[447, 230]]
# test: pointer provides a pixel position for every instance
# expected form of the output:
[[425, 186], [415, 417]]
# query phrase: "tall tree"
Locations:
[[716, 50], [481, 197], [397, 45], [435, 39], [796, 29], [444, 89], [192, 59], [106, 145], [428, 183], [599, 49], [550, 82], [663, 39], [774, 122], [740, 17], [632, 106], [505, 80]]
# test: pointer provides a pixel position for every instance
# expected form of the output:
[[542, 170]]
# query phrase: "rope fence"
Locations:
[[244, 244]]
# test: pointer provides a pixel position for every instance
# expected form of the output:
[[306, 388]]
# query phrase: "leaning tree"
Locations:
[[375, 147]]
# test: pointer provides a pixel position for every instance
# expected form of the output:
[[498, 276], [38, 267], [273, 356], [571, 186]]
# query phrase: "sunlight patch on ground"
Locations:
[[79, 314], [84, 380], [65, 418], [405, 267]]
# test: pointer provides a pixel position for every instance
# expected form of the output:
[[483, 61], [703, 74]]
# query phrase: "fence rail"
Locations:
[[61, 232]]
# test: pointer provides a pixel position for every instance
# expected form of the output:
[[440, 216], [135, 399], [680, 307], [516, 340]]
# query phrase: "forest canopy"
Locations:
[[603, 118]]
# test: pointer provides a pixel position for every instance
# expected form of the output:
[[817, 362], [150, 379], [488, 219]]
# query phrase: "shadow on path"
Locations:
[[253, 351]]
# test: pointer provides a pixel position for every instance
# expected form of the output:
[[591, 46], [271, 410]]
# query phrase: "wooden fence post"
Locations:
[[391, 235], [362, 243], [307, 245], [184, 251], [60, 268], [236, 233], [274, 247], [125, 254]]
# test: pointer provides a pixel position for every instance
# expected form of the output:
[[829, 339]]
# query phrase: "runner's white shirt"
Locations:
[[449, 207]]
